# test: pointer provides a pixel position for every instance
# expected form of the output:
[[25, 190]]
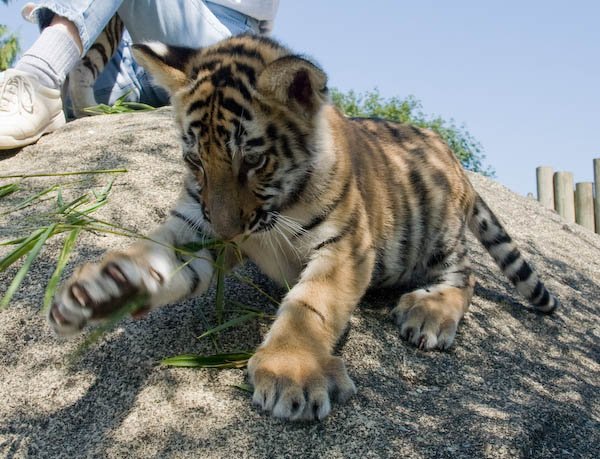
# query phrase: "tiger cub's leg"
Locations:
[[83, 77], [428, 317], [293, 372], [96, 290]]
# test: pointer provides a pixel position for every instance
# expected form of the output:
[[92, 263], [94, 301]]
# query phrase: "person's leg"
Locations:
[[191, 23], [30, 102], [53, 54]]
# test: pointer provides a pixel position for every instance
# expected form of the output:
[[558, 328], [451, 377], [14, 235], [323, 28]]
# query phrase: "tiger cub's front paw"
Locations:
[[296, 384], [97, 290]]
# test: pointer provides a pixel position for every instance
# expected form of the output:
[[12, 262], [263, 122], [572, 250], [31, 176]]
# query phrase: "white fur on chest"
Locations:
[[278, 255]]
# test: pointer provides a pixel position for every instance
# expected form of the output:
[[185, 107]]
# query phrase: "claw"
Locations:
[[80, 294], [113, 271], [56, 315]]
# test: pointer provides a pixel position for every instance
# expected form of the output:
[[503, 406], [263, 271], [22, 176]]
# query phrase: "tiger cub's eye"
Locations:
[[253, 159]]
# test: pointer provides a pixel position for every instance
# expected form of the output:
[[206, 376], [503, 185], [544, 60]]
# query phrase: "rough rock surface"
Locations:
[[515, 383]]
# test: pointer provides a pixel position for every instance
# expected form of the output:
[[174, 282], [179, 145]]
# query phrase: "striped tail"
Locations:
[[486, 227]]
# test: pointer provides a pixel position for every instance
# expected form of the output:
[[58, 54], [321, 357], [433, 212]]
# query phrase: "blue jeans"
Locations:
[[191, 23]]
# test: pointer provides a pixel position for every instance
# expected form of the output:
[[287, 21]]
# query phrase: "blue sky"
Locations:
[[523, 76]]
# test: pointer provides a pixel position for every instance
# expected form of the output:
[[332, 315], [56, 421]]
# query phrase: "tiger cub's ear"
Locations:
[[295, 82], [165, 63]]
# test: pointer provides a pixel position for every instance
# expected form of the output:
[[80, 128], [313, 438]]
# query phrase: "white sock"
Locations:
[[51, 57]]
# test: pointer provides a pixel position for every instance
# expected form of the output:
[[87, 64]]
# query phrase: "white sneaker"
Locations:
[[28, 110]]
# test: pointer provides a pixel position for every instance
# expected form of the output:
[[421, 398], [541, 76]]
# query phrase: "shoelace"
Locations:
[[16, 91]]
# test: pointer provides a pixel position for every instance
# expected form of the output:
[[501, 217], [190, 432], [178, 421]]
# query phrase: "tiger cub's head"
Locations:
[[247, 110]]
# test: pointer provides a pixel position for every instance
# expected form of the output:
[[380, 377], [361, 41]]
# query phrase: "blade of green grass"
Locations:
[[122, 98], [14, 241], [244, 308], [25, 246], [59, 199], [25, 202], [14, 285], [60, 174], [228, 360], [101, 109], [243, 387], [139, 107], [120, 106], [197, 246], [230, 323], [60, 266], [5, 190], [104, 194]]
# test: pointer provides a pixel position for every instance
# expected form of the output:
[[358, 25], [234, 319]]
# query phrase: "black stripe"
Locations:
[[537, 291], [406, 222], [193, 194], [513, 256], [223, 77], [437, 257], [441, 181], [296, 193], [420, 189], [231, 105], [499, 239], [271, 132], [222, 131], [330, 208], [100, 49], [343, 233], [236, 50], [239, 84], [310, 308], [195, 276], [522, 275], [199, 83], [483, 226], [545, 300], [196, 69], [248, 71], [198, 104], [379, 265], [297, 134], [285, 146], [255, 142], [190, 223], [264, 197]]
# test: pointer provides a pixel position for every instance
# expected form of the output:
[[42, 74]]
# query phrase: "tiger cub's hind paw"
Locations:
[[428, 319]]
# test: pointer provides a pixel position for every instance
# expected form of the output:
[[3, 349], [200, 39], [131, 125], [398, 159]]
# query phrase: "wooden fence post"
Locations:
[[563, 195], [545, 188], [584, 204], [597, 187]]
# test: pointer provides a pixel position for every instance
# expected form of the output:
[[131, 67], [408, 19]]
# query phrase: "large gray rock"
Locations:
[[515, 383]]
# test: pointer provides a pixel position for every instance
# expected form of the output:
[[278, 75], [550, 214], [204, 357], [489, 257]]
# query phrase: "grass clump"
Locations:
[[120, 106], [75, 216]]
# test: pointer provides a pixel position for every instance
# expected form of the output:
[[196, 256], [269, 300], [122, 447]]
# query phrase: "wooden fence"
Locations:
[[575, 203]]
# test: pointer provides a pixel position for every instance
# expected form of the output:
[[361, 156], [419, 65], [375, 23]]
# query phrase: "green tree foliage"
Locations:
[[409, 110], [9, 46]]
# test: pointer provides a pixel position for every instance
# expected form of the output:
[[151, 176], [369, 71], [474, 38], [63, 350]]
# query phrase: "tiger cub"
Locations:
[[328, 204], [80, 85]]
